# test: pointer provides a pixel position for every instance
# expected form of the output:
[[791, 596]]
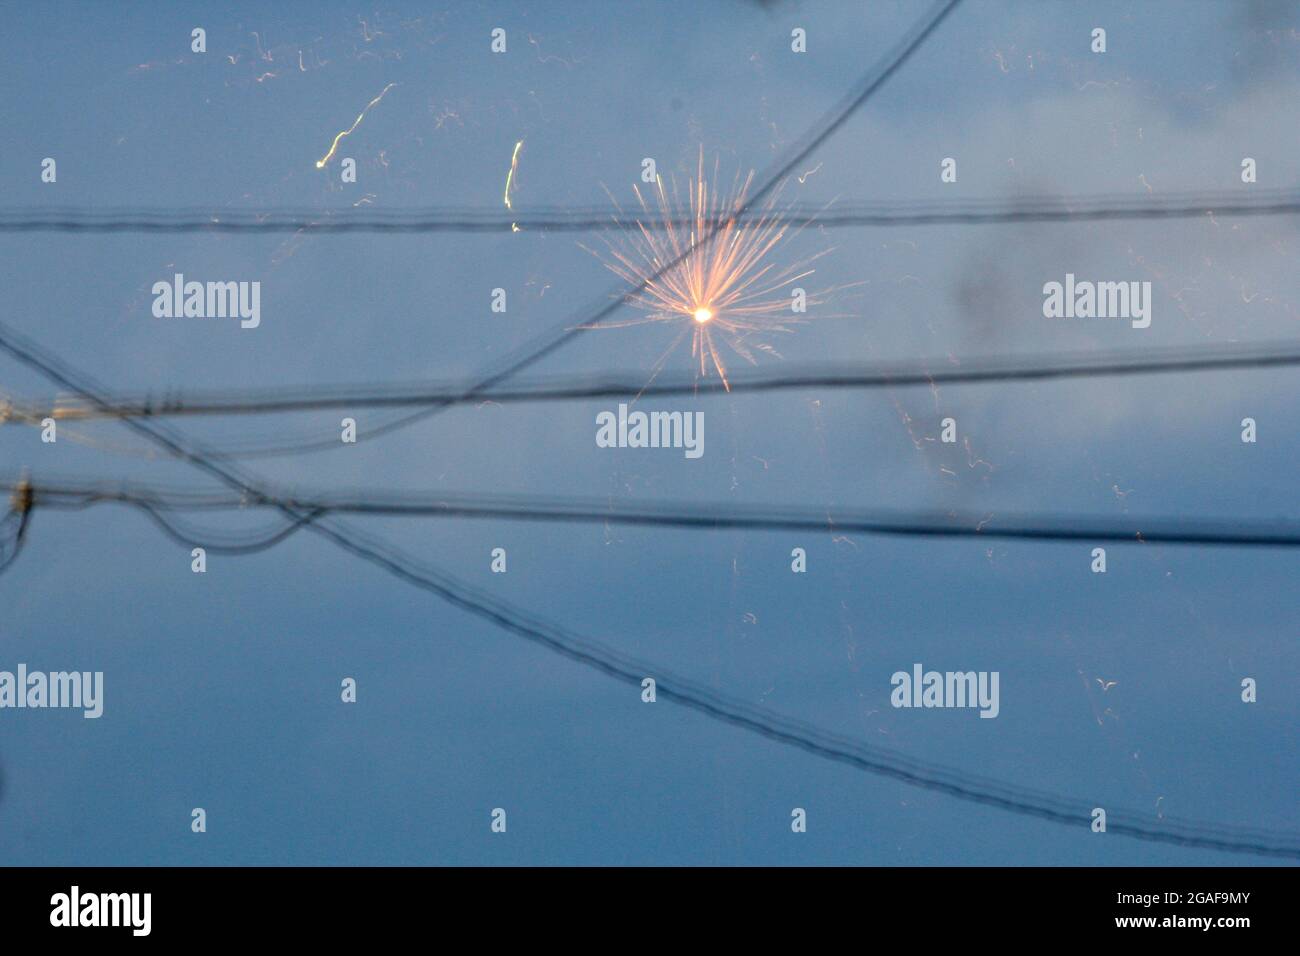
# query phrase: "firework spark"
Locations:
[[700, 265], [320, 163], [510, 176], [510, 180]]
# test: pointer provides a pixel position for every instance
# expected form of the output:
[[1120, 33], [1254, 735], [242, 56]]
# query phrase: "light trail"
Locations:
[[320, 163]]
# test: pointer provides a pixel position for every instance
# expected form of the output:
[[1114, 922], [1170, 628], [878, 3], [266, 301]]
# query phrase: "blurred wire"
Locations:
[[789, 731], [628, 385], [539, 348], [846, 214], [530, 353], [613, 663], [785, 730], [14, 525], [684, 515], [795, 733], [702, 699]]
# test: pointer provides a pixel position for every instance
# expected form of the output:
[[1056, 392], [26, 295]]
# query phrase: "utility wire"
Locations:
[[798, 734], [682, 515], [794, 733], [19, 517], [627, 385], [615, 664], [848, 214], [161, 508], [701, 699], [738, 713], [539, 348]]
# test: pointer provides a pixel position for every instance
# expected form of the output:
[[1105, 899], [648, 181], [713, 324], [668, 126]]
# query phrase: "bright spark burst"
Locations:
[[320, 163], [724, 290]]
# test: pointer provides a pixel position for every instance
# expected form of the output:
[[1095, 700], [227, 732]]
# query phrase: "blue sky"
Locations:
[[222, 689]]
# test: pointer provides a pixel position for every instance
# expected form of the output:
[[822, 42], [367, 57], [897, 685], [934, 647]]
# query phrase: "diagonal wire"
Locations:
[[700, 699], [611, 662], [535, 351]]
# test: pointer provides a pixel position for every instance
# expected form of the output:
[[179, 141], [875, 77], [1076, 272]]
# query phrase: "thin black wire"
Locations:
[[792, 732], [689, 515], [160, 504], [625, 385], [10, 552], [851, 214], [611, 662], [796, 733], [539, 348], [251, 544], [700, 699], [820, 743]]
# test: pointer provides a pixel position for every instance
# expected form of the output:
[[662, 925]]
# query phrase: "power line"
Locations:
[[19, 518], [531, 353], [627, 385], [613, 663], [681, 515], [791, 732], [701, 699], [812, 740], [539, 348], [846, 214], [715, 706]]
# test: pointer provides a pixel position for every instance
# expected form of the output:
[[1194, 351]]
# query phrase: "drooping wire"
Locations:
[[704, 701], [613, 663]]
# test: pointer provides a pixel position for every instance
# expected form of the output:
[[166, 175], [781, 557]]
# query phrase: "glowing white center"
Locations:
[[703, 315]]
